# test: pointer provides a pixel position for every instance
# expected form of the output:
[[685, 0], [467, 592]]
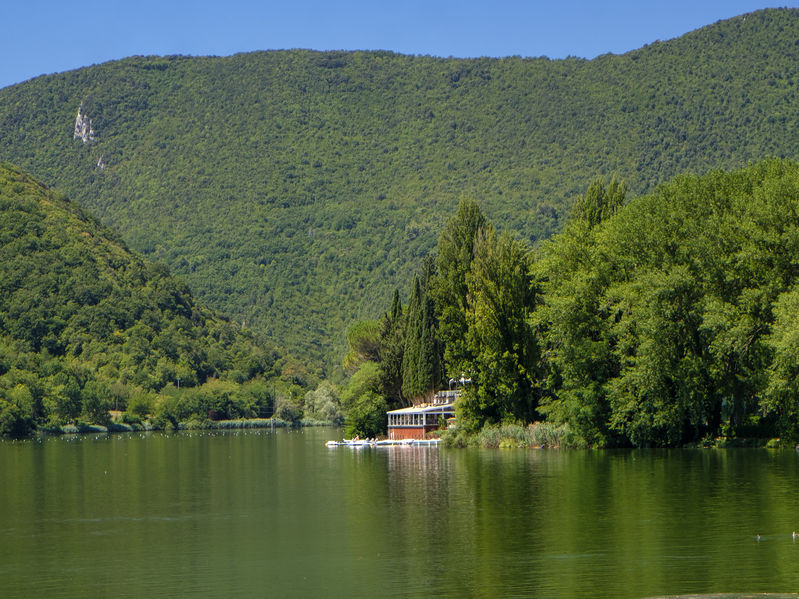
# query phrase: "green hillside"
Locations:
[[295, 190], [85, 325]]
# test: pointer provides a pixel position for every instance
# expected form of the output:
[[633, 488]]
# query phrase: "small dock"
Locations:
[[385, 443]]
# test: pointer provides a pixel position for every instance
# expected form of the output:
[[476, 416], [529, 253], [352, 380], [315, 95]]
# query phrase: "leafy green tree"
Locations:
[[288, 410], [364, 340], [323, 403], [781, 397], [500, 338], [658, 397], [365, 408], [577, 334], [167, 410], [366, 415], [14, 420], [260, 397], [96, 399], [139, 406], [17, 412], [67, 401]]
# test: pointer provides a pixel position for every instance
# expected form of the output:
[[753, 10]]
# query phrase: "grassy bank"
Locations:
[[538, 435], [543, 435]]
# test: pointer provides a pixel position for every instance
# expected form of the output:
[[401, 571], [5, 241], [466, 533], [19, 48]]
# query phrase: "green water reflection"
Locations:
[[279, 514]]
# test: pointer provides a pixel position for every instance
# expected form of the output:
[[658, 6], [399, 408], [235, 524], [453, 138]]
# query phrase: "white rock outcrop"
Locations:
[[83, 126]]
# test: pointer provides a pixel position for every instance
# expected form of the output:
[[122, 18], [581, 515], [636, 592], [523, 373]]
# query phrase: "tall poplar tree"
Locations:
[[600, 202], [578, 333], [500, 338]]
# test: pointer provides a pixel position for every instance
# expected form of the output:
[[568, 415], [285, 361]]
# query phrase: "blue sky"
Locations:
[[47, 36]]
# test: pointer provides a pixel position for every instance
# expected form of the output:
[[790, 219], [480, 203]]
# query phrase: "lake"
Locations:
[[261, 513]]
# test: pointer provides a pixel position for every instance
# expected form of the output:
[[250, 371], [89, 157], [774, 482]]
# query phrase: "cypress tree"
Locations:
[[392, 350], [421, 365], [455, 255], [410, 358]]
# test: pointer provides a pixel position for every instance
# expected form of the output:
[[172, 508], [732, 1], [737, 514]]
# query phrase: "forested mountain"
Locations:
[[295, 190], [85, 325]]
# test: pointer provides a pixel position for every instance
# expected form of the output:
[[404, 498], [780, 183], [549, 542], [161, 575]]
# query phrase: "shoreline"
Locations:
[[221, 425]]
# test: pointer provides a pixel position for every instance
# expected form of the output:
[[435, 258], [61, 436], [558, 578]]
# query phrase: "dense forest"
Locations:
[[87, 327], [294, 190], [668, 320]]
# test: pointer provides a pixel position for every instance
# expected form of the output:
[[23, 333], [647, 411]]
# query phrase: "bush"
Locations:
[[455, 437], [196, 422], [131, 419], [288, 411]]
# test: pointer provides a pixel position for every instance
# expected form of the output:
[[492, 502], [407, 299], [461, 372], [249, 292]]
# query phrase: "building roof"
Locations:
[[425, 409]]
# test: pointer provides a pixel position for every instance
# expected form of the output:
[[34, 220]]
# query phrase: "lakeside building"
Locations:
[[417, 421]]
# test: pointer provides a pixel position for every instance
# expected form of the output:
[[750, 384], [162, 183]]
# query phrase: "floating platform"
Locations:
[[385, 443]]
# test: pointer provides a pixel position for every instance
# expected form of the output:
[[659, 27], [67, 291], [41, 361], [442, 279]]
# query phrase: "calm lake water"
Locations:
[[262, 513]]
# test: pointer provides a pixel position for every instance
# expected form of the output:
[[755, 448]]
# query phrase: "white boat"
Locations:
[[350, 443]]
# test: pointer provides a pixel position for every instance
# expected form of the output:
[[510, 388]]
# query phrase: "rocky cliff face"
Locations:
[[83, 126]]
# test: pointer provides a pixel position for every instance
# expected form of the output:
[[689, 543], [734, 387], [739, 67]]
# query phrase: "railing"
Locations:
[[445, 397]]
